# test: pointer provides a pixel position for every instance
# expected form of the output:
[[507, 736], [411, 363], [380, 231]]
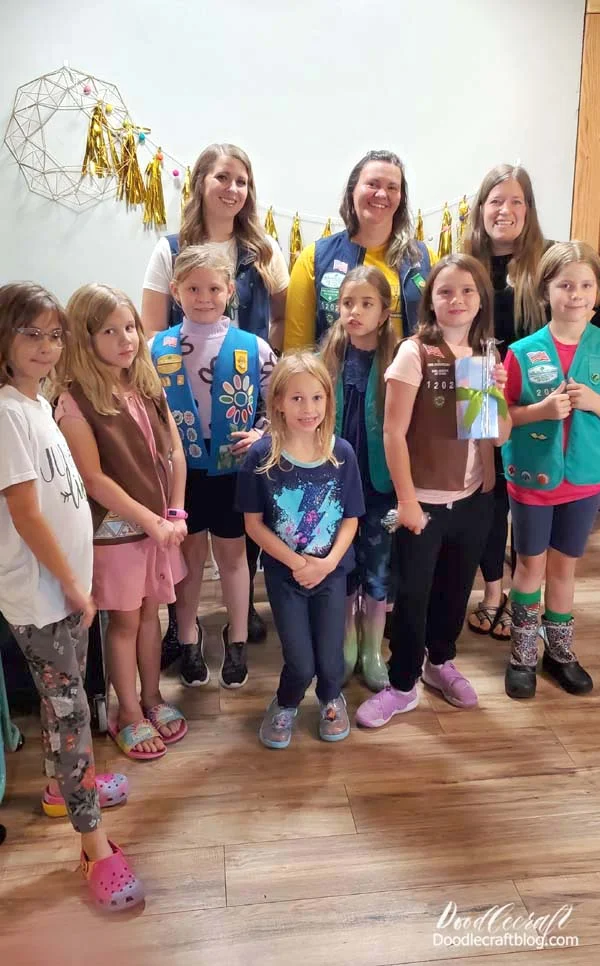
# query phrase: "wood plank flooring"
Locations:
[[345, 854]]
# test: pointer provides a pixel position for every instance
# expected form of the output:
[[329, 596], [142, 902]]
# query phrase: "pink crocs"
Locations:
[[454, 686], [112, 788], [380, 708], [111, 882]]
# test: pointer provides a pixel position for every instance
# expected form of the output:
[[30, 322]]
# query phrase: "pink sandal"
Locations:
[[111, 882], [163, 714], [112, 789]]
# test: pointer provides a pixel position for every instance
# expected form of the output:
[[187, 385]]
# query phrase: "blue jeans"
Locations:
[[310, 624]]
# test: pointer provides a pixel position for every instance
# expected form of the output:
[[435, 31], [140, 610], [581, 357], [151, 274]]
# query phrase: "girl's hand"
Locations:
[[411, 516], [244, 440], [582, 397], [557, 405], [314, 571], [80, 601], [499, 375], [160, 530], [179, 532]]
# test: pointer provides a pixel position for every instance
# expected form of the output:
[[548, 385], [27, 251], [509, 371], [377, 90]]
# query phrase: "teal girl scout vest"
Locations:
[[533, 456], [378, 470], [234, 396]]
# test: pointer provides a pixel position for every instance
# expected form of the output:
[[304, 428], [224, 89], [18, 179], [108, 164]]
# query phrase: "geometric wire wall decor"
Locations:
[[44, 135]]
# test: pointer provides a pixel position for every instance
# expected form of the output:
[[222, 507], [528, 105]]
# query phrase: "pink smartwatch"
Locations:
[[176, 514]]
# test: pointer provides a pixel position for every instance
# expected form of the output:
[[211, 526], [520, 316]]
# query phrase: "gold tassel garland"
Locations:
[[154, 203], [270, 225], [101, 158], [186, 191], [131, 184], [445, 245], [327, 231], [463, 216], [295, 240], [419, 229]]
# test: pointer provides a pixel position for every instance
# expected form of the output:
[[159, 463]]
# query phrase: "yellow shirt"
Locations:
[[301, 303]]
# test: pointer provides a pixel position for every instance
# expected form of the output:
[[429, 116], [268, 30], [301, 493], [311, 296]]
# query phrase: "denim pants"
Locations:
[[310, 624]]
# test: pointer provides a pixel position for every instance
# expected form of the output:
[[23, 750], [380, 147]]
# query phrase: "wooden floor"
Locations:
[[340, 854]]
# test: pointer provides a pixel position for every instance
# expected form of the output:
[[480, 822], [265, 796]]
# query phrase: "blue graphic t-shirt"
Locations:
[[303, 503]]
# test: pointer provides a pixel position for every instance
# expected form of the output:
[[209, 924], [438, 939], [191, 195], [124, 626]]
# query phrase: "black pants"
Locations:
[[435, 573], [310, 625], [492, 558]]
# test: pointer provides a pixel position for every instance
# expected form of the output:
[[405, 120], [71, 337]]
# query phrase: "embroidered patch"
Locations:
[[330, 287], [538, 436], [239, 399], [170, 341], [539, 356], [542, 374], [240, 359], [191, 434], [511, 470], [188, 418], [595, 377], [340, 266], [177, 416], [439, 401], [433, 350], [526, 476], [166, 381], [194, 450], [180, 380], [168, 364], [419, 281], [543, 479]]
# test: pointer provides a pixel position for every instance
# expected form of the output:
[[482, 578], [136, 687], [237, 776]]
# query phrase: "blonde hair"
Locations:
[[246, 226], [560, 255], [528, 247], [401, 242], [203, 256], [295, 364], [87, 311], [482, 326], [336, 339], [20, 305]]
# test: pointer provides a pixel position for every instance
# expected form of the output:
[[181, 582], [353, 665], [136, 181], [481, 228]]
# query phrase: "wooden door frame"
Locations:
[[585, 218]]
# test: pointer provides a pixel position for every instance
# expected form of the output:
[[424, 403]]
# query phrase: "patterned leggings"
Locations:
[[56, 656]]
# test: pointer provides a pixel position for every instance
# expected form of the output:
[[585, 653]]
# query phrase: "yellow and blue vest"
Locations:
[[534, 456], [234, 396]]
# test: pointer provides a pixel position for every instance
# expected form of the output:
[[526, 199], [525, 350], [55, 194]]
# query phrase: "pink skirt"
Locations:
[[127, 573]]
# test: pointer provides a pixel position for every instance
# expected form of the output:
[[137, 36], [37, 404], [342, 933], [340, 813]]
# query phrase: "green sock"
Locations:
[[520, 598], [555, 618]]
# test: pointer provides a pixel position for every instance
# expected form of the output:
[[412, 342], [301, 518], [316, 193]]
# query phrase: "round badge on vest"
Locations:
[[168, 364]]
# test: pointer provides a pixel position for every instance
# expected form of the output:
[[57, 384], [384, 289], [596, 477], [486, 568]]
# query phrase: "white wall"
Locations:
[[453, 86]]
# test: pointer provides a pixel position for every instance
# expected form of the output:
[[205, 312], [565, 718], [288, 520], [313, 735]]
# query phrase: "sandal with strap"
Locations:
[[111, 881], [112, 789], [163, 714], [134, 734], [483, 612], [503, 620]]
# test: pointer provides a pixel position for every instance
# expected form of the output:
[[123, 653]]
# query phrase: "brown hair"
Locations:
[[87, 311], [561, 254], [482, 327], [528, 247], [400, 242], [333, 348], [247, 228], [293, 364], [20, 305]]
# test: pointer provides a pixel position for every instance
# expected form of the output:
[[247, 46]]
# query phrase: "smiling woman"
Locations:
[[378, 232]]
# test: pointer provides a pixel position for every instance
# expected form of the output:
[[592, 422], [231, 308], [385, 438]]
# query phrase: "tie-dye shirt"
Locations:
[[303, 503]]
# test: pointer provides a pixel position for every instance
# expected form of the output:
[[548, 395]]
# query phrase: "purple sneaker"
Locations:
[[455, 688], [381, 707]]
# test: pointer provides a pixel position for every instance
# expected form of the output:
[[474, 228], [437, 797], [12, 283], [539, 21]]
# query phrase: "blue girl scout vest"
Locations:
[[234, 397], [251, 295], [378, 470], [534, 456], [336, 255]]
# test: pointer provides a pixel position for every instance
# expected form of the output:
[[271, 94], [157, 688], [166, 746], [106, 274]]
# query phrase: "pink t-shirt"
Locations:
[[406, 367], [565, 492]]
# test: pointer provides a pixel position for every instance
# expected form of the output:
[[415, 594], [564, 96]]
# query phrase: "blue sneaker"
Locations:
[[277, 724]]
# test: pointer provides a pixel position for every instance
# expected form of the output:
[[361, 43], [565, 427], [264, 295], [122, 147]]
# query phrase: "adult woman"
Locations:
[[222, 210], [375, 211], [505, 236]]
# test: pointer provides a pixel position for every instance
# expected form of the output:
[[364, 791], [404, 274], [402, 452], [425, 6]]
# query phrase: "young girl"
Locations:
[[126, 446], [212, 373], [551, 465], [300, 492], [357, 351], [45, 580], [437, 474]]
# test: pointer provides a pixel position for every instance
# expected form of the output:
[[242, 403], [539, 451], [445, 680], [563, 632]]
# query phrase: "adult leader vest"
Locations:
[[336, 255], [534, 457], [234, 396]]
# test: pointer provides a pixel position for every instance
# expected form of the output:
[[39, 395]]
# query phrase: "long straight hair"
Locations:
[[336, 339], [528, 247], [246, 225], [482, 326]]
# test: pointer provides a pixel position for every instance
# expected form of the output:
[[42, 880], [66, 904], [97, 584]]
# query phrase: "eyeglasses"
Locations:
[[56, 337]]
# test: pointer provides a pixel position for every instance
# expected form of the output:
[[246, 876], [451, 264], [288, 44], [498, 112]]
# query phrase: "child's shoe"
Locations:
[[520, 677], [193, 672], [520, 681], [380, 708], [559, 659], [277, 724], [112, 788], [453, 685], [234, 671], [111, 882], [334, 724]]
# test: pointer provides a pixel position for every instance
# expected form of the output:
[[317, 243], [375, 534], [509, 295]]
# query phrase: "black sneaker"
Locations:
[[194, 672], [234, 672], [257, 629], [171, 647]]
